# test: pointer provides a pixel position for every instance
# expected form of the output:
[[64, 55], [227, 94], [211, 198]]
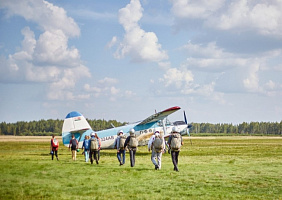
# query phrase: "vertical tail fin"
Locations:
[[76, 124]]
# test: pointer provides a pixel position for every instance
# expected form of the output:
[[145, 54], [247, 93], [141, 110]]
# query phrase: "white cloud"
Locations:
[[138, 44], [177, 77], [270, 85], [112, 42], [114, 90], [48, 59], [52, 48], [251, 83], [195, 9], [108, 81], [107, 88], [43, 13], [265, 17], [210, 57]]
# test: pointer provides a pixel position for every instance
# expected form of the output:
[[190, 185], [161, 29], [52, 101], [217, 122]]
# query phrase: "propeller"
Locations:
[[188, 126]]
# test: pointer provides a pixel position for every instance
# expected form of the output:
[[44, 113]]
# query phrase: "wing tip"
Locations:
[[172, 108]]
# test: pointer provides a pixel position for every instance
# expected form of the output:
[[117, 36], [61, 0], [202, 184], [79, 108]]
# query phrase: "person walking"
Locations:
[[132, 143], [94, 148], [99, 141], [73, 145], [54, 147], [119, 145], [175, 142], [86, 148], [156, 144]]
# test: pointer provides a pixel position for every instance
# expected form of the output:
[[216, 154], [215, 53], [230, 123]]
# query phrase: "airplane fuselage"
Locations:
[[108, 136]]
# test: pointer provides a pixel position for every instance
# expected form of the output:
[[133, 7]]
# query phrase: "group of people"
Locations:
[[156, 144], [92, 145]]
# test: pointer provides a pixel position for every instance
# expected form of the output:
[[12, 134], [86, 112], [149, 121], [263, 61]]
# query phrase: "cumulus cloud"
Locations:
[[137, 43], [210, 57], [107, 87], [210, 72], [47, 16], [264, 17], [47, 59], [179, 78], [232, 72], [181, 81]]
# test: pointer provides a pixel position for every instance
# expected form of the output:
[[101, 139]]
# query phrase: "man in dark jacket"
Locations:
[[132, 143]]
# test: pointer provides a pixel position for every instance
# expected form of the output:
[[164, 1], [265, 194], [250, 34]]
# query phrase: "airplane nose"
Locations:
[[184, 131]]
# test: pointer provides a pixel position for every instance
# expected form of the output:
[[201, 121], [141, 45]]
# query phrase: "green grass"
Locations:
[[212, 168]]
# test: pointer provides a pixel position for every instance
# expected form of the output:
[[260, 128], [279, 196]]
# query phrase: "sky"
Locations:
[[220, 60]]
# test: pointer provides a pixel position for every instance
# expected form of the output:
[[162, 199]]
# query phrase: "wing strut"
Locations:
[[188, 126]]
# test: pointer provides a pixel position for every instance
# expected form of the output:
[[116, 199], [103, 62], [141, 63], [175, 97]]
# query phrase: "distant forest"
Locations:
[[49, 127]]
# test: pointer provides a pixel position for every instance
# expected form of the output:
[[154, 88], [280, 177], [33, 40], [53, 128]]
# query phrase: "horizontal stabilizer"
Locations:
[[160, 115]]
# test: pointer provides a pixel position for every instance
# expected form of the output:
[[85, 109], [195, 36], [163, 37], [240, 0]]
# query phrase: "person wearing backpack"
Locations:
[[86, 148], [156, 144], [54, 147], [175, 142], [73, 145], [132, 143], [99, 141], [119, 145], [94, 148]]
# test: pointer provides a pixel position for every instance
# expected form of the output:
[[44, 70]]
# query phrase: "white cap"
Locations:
[[121, 131], [132, 131], [175, 129]]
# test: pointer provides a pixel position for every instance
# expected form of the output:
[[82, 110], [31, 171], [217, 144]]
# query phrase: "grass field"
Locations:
[[212, 168]]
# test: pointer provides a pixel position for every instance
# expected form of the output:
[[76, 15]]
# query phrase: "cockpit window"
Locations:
[[167, 122], [179, 123]]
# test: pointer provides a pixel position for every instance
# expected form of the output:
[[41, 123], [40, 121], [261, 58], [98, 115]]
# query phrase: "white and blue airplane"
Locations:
[[76, 124]]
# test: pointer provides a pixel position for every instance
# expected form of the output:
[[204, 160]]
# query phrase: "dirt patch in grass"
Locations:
[[11, 138]]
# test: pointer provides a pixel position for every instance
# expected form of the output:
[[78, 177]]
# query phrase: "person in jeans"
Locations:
[[120, 148], [86, 148], [156, 156]]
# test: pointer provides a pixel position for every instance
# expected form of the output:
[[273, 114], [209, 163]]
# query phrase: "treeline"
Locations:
[[253, 128], [49, 127]]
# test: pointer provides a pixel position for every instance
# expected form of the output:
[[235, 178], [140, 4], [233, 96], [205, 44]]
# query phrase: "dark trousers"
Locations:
[[132, 156], [174, 157], [94, 154], [98, 155], [121, 160], [54, 152]]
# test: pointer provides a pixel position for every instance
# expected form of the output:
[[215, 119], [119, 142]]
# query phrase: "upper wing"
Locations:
[[160, 115]]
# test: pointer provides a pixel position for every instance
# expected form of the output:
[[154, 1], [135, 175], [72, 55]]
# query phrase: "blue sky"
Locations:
[[220, 61]]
